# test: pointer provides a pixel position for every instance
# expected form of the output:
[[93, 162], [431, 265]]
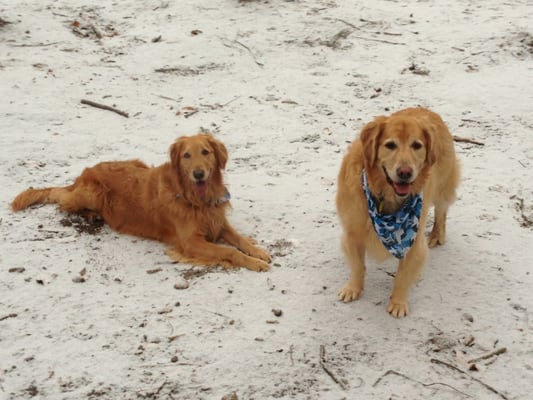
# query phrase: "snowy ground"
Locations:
[[286, 85]]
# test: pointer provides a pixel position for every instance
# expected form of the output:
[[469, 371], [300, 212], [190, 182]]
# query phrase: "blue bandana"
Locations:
[[396, 231]]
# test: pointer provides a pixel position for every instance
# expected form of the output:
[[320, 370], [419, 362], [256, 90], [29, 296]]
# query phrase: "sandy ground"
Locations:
[[86, 313]]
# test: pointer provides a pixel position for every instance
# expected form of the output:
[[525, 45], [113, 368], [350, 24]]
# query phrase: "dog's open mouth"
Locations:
[[200, 188], [401, 188]]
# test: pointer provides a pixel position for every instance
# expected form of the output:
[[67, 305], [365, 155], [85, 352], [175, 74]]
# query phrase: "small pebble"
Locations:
[[468, 317], [277, 312], [174, 359], [231, 396], [181, 284], [78, 279]]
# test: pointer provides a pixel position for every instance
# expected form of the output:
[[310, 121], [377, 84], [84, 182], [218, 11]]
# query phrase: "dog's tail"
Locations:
[[32, 196]]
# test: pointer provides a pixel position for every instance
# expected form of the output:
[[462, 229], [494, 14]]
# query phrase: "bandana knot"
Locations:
[[396, 231]]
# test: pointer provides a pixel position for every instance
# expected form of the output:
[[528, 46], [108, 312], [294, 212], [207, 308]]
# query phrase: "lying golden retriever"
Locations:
[[182, 203], [393, 172]]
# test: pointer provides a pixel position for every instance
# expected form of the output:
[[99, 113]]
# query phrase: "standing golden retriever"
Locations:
[[393, 172], [182, 203]]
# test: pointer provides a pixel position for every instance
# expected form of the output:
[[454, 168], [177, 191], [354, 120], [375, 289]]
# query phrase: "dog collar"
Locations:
[[218, 202], [223, 199], [396, 231]]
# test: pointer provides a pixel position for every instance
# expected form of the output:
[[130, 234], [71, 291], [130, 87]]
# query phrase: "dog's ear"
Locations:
[[175, 152], [221, 153], [370, 135], [429, 133]]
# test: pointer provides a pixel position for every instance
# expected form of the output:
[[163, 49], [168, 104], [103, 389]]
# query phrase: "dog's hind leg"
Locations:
[[438, 233], [445, 197], [52, 195], [30, 197], [76, 198]]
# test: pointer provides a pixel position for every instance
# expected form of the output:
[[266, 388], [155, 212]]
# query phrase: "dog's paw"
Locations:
[[350, 293], [251, 240], [398, 309], [261, 254], [257, 265], [435, 240]]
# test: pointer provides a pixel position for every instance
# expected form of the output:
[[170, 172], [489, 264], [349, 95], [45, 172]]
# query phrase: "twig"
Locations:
[[488, 355], [34, 45], [392, 372], [167, 98], [333, 42], [231, 101], [12, 315], [249, 51], [190, 113], [104, 107], [349, 24], [380, 40], [60, 15], [322, 360], [467, 140], [96, 31], [453, 367], [291, 352], [160, 388]]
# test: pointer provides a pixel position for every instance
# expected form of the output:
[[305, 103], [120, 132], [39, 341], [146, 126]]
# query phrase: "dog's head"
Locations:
[[199, 161], [399, 148]]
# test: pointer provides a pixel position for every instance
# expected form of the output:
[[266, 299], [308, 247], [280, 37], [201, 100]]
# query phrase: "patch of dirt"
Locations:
[[520, 45], [3, 22], [196, 272], [92, 226], [183, 70], [416, 69], [525, 211], [89, 25], [281, 248]]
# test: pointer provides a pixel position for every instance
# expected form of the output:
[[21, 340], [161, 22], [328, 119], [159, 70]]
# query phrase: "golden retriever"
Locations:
[[407, 161], [182, 203]]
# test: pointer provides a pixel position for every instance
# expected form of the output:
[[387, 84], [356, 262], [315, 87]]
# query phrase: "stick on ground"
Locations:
[[392, 372], [490, 354], [454, 368], [12, 315], [104, 107], [322, 360], [467, 140]]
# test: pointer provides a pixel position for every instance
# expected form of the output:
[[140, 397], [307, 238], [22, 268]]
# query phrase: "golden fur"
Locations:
[[177, 203], [408, 152]]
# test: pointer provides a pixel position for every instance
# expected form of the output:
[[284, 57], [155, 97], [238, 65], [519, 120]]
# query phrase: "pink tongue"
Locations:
[[200, 188], [402, 188]]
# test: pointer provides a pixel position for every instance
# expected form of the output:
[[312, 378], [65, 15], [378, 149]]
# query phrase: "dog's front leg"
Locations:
[[246, 245], [201, 252], [409, 269], [355, 253]]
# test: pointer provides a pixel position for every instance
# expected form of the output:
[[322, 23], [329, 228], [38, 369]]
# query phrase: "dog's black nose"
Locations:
[[199, 174], [404, 173]]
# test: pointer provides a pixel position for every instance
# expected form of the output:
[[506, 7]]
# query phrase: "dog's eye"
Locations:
[[187, 155], [416, 145], [205, 152], [390, 145]]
